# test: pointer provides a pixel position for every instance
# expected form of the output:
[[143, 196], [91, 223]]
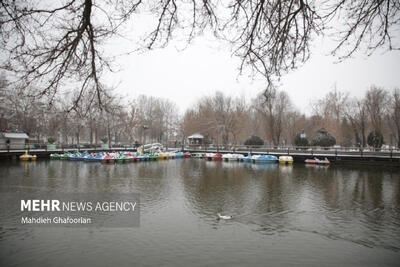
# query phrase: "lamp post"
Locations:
[[391, 140], [144, 128]]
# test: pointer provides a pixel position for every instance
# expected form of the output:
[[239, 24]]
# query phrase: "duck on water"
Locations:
[[223, 217]]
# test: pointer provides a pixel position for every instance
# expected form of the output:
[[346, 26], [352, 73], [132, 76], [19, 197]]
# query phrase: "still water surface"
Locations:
[[283, 215]]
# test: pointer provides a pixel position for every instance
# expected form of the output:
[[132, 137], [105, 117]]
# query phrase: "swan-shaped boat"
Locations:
[[247, 158], [317, 161]]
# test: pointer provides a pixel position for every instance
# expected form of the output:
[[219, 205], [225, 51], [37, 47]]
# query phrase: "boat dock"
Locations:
[[45, 153], [338, 156]]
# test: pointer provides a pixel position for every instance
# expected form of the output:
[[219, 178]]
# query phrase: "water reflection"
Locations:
[[335, 202], [360, 205], [316, 166]]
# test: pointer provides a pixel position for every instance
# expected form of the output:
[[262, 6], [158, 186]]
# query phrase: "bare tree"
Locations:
[[53, 43], [331, 108], [295, 124], [65, 118], [336, 101], [219, 117], [239, 120], [357, 114], [59, 43], [394, 114], [170, 119], [274, 106], [365, 24], [376, 102], [155, 117]]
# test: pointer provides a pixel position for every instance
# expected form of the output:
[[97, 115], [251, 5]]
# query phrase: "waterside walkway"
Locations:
[[344, 155]]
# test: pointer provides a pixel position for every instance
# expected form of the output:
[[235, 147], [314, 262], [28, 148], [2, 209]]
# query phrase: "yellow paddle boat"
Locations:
[[27, 157], [286, 159]]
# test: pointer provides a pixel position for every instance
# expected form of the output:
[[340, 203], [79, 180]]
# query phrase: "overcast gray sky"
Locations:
[[206, 66]]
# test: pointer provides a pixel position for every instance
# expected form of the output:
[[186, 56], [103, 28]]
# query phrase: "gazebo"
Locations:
[[196, 139]]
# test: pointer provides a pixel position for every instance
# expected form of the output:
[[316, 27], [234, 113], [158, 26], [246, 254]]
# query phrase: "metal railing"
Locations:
[[265, 149], [299, 150], [62, 147]]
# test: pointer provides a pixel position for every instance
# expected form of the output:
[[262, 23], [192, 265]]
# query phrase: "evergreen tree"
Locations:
[[323, 138]]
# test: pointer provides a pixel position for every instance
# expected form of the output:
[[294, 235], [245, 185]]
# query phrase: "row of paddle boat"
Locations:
[[248, 158], [257, 158], [120, 157]]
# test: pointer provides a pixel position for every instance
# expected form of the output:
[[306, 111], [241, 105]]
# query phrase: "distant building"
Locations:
[[13, 140], [196, 139]]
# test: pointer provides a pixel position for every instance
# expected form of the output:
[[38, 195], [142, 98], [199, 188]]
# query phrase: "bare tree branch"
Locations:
[[55, 45]]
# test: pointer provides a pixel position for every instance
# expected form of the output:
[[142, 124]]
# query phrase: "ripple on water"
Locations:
[[283, 216]]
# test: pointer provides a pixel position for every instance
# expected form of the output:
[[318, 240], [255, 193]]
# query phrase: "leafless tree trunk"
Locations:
[[376, 103], [356, 113], [274, 106], [55, 43], [394, 114]]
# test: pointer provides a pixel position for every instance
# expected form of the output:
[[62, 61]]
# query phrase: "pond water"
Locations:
[[282, 215]]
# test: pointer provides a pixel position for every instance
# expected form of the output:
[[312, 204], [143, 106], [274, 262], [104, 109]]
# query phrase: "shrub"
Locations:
[[254, 141], [375, 139], [300, 141], [51, 140], [104, 140], [323, 138]]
